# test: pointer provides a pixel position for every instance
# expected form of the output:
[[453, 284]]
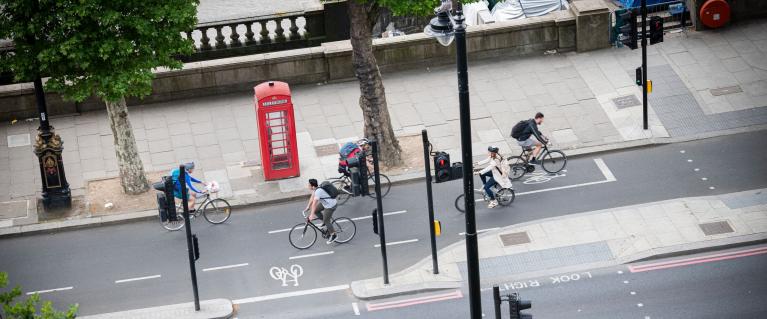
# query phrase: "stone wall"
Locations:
[[332, 61]]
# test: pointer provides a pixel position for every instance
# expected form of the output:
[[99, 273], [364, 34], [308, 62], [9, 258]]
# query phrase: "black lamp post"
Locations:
[[445, 30], [48, 147]]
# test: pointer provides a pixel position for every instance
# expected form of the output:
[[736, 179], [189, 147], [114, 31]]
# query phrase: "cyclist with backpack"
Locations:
[[323, 203], [524, 131], [496, 172]]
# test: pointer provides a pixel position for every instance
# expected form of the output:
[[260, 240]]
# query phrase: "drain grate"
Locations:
[[726, 90], [19, 140], [514, 239], [716, 228], [326, 150], [626, 101]]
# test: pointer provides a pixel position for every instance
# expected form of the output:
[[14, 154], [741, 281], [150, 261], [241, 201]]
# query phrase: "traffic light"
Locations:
[[165, 203], [516, 306], [656, 29], [639, 76], [441, 167], [626, 24], [196, 247]]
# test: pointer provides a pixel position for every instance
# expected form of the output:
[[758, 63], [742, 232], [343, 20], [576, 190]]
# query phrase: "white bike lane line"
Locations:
[[49, 290], [137, 279], [225, 267]]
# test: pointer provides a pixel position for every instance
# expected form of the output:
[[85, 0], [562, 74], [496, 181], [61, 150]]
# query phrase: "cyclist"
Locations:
[[189, 168], [325, 209], [496, 172], [526, 140]]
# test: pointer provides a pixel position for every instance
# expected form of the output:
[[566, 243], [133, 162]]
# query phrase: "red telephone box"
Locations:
[[276, 130]]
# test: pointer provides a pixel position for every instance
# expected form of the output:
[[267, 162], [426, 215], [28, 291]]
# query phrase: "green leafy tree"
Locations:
[[30, 308], [363, 15], [103, 48]]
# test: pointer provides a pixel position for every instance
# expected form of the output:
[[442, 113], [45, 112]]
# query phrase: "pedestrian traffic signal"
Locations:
[[441, 167], [195, 247], [375, 221], [656, 29], [639, 76], [626, 24], [165, 203]]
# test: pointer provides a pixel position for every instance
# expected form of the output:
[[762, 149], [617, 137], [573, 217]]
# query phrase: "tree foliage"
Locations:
[[32, 308], [86, 47]]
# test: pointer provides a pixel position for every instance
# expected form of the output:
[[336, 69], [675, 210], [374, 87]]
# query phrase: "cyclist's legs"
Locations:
[[190, 199], [328, 219], [484, 177], [537, 149], [489, 187], [318, 211]]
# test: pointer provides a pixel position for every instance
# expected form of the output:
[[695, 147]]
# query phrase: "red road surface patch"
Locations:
[[699, 260], [456, 294]]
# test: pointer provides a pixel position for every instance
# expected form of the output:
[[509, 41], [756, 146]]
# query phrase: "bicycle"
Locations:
[[304, 235], [214, 210], [344, 185], [504, 196], [552, 161]]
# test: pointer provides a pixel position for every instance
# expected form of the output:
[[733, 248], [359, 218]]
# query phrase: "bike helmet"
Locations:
[[188, 166], [492, 149]]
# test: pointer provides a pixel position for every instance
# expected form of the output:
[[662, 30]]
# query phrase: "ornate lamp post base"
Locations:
[[48, 147]]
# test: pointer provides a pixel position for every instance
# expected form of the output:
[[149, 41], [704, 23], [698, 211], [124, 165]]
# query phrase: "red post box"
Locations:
[[276, 130]]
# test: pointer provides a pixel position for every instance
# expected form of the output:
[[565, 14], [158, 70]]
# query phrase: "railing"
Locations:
[[257, 34], [675, 15]]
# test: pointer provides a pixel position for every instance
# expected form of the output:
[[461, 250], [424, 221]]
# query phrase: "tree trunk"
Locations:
[[363, 16], [132, 177]]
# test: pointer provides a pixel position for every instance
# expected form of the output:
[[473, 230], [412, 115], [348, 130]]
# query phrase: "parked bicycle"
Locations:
[[214, 210], [552, 161], [504, 196], [304, 235]]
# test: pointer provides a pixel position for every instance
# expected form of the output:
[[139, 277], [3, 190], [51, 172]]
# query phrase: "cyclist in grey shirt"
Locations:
[[320, 203]]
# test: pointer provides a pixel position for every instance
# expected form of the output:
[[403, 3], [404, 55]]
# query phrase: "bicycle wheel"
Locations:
[[302, 236], [505, 196], [345, 229], [344, 190], [553, 161], [517, 167], [460, 204], [173, 225], [385, 185], [217, 211]]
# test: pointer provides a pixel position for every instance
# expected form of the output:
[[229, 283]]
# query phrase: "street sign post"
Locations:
[[190, 240]]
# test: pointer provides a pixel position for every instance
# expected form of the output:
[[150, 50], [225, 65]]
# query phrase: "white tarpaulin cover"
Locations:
[[516, 9], [472, 10]]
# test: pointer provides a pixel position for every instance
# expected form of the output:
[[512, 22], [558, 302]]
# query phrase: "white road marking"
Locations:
[[397, 243], [48, 290], [608, 174], [625, 281], [682, 151], [287, 275], [697, 169], [704, 178], [356, 308], [640, 305], [633, 293], [712, 188], [355, 218], [290, 294], [689, 160], [310, 255], [136, 279], [620, 272], [480, 231], [226, 267]]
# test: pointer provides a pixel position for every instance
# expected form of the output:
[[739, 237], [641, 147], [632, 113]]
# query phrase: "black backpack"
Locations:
[[518, 129], [329, 188]]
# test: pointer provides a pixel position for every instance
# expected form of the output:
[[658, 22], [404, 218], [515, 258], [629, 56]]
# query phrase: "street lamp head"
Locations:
[[441, 28]]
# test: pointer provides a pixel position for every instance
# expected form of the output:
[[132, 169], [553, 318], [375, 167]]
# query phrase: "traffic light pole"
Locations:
[[644, 63], [472, 249], [379, 207], [188, 225], [430, 202]]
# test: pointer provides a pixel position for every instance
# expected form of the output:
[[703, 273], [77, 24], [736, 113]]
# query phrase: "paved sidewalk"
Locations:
[[209, 309], [577, 92], [589, 240]]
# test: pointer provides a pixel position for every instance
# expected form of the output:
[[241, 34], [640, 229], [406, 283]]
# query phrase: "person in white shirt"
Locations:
[[494, 173], [320, 203]]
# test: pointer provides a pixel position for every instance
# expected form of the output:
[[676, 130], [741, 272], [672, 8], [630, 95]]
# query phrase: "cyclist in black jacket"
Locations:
[[526, 138]]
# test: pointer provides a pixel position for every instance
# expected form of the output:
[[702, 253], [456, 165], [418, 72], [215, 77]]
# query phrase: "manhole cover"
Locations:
[[716, 228], [726, 90], [18, 140], [325, 150], [514, 239], [626, 101]]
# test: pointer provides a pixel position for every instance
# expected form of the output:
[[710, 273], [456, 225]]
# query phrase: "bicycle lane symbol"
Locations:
[[542, 177], [287, 275]]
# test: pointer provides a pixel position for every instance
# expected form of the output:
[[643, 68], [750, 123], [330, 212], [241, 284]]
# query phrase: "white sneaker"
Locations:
[[332, 239], [492, 204]]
